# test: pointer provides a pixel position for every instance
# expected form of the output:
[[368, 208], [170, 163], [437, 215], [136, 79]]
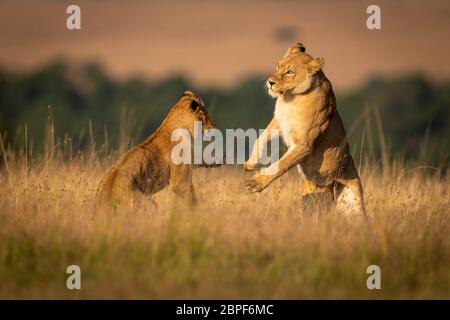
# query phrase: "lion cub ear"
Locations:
[[188, 93], [296, 48], [194, 105], [315, 65]]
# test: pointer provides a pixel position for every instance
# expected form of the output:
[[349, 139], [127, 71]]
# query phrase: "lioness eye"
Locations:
[[289, 72]]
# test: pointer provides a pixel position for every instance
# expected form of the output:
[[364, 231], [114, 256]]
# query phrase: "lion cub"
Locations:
[[148, 167], [309, 123]]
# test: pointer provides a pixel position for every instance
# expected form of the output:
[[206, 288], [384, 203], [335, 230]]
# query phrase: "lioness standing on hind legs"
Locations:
[[309, 123], [148, 168]]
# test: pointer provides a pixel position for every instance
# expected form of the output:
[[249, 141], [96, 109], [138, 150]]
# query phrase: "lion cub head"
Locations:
[[295, 72], [187, 110]]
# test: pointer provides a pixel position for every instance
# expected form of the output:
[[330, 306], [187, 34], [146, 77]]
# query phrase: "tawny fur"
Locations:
[[309, 123], [148, 168]]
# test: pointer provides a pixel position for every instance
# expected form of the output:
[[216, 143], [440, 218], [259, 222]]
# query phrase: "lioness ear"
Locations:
[[316, 65], [298, 47], [194, 105]]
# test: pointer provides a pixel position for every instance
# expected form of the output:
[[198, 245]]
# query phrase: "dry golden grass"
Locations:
[[235, 245]]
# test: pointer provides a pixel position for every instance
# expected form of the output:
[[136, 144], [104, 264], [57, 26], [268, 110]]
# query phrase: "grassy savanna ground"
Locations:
[[235, 245]]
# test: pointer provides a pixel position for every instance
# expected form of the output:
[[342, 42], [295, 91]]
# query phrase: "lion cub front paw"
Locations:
[[257, 183], [250, 166]]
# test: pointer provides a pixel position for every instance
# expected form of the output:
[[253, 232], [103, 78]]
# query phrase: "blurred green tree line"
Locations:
[[406, 115]]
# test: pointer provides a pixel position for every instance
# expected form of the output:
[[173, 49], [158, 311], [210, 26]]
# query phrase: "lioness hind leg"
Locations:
[[349, 197], [349, 192], [316, 198]]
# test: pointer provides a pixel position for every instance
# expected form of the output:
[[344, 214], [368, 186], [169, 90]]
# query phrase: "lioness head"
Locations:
[[189, 109], [295, 72]]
